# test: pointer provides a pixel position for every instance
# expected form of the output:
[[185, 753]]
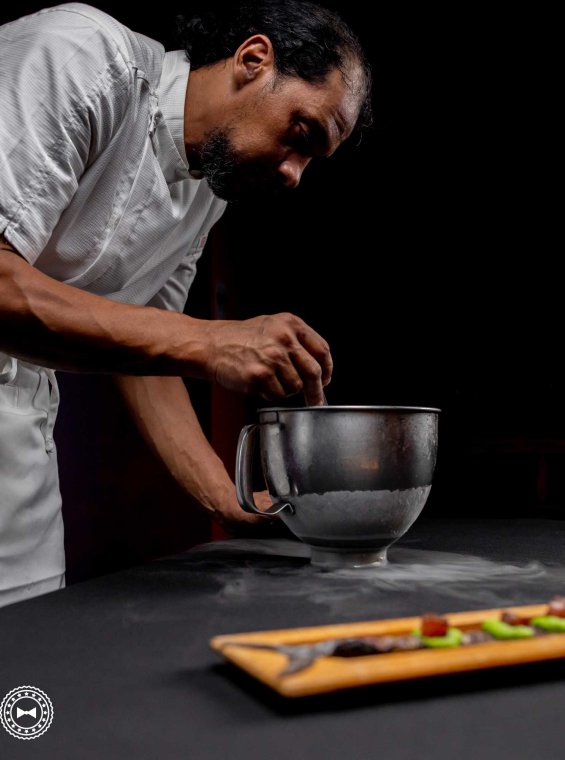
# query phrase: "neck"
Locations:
[[205, 98]]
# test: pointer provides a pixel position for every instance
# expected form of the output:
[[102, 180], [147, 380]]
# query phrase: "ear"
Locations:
[[253, 59]]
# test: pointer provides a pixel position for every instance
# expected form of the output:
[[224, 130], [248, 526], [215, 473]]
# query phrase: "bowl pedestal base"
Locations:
[[334, 559]]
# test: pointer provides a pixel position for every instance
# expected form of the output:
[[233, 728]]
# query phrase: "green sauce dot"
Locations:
[[501, 630], [550, 623], [453, 638]]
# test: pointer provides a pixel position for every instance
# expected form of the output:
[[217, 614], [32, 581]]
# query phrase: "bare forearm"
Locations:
[[163, 412], [53, 324], [50, 323]]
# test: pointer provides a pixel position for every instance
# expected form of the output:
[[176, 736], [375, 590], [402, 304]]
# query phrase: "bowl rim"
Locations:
[[342, 408]]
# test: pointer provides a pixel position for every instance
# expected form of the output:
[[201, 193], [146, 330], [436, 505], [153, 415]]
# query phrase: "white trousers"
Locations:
[[32, 555]]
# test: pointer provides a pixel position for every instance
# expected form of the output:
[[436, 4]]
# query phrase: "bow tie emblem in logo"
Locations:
[[26, 712], [32, 712]]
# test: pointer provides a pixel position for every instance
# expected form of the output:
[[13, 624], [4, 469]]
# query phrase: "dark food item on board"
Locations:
[[514, 619], [375, 645], [476, 637], [434, 633]]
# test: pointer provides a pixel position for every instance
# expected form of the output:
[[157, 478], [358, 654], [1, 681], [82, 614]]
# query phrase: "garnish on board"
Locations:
[[434, 632]]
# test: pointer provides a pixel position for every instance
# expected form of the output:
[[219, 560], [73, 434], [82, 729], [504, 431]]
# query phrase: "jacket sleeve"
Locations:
[[64, 86]]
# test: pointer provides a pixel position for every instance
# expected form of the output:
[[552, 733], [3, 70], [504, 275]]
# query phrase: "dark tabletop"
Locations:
[[126, 661]]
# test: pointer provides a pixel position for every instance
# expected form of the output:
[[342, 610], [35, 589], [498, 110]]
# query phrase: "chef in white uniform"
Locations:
[[102, 188]]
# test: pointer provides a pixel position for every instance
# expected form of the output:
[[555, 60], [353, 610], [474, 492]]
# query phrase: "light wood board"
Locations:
[[334, 673]]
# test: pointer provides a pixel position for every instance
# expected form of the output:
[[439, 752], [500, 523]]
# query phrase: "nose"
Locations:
[[290, 170]]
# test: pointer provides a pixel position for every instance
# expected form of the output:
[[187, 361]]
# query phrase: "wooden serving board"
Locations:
[[334, 673]]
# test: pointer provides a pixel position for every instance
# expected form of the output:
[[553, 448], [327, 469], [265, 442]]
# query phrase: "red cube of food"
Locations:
[[557, 606], [434, 625]]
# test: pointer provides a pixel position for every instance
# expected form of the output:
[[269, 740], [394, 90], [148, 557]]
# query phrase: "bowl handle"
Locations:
[[243, 475]]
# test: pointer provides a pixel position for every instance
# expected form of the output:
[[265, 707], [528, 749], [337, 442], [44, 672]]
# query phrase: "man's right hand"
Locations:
[[275, 356]]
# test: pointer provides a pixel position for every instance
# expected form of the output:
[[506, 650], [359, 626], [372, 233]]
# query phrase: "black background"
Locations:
[[428, 256]]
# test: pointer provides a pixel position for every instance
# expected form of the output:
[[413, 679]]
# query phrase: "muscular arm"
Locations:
[[49, 323], [162, 409], [53, 324]]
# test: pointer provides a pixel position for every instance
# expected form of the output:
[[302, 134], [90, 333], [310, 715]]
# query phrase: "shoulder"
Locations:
[[86, 33]]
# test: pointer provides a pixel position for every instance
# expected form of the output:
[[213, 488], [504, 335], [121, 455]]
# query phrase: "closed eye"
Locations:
[[310, 137], [301, 140]]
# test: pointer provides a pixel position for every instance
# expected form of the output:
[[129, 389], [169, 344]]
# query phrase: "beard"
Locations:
[[229, 174]]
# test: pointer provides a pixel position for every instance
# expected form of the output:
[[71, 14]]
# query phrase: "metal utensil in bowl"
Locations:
[[346, 480]]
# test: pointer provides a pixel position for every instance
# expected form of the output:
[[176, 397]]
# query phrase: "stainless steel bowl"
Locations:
[[347, 480]]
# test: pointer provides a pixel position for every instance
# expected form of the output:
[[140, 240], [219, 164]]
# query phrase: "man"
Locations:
[[116, 159]]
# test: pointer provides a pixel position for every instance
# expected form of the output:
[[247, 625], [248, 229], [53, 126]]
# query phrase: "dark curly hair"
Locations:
[[309, 41]]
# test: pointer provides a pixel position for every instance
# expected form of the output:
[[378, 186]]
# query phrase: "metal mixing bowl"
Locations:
[[346, 480]]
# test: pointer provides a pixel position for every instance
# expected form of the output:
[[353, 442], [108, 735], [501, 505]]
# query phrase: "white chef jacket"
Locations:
[[95, 189], [96, 192]]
